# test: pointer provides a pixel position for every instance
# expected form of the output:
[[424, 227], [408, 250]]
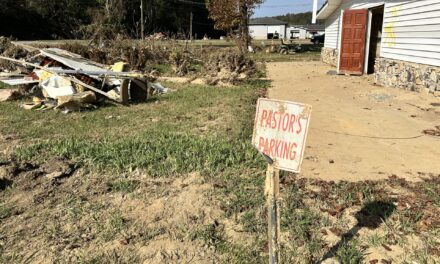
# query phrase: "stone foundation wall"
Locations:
[[407, 75], [330, 56]]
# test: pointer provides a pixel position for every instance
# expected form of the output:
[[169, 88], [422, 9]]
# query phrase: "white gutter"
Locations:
[[328, 9]]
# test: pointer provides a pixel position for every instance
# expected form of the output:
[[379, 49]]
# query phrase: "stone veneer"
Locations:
[[407, 75], [330, 56]]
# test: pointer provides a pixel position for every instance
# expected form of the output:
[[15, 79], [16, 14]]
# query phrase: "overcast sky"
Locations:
[[281, 7]]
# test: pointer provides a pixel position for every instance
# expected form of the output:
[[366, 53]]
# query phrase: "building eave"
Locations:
[[328, 8]]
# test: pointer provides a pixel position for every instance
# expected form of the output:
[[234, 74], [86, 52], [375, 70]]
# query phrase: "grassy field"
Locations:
[[276, 57], [176, 180]]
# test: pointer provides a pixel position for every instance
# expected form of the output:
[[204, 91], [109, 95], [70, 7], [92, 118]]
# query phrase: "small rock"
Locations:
[[8, 172], [57, 168], [331, 161], [330, 261]]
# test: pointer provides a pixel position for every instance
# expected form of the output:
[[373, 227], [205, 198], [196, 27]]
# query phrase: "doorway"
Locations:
[[375, 37]]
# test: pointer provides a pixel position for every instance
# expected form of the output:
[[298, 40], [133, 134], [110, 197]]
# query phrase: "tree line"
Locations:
[[61, 19], [297, 19]]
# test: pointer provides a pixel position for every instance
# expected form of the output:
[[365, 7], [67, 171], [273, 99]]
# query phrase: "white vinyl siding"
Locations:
[[258, 31], [281, 30], [261, 31], [412, 31], [332, 30]]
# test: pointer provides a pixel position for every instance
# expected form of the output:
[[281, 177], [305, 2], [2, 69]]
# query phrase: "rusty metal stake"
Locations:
[[273, 210]]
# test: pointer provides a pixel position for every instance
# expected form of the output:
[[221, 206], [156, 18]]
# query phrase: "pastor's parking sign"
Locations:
[[280, 132]]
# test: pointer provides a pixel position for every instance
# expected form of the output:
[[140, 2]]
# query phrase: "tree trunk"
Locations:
[[244, 27]]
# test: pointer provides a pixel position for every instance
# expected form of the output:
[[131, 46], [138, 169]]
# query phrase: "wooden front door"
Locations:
[[354, 29]]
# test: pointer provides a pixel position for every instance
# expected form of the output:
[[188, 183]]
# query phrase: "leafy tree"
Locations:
[[232, 14]]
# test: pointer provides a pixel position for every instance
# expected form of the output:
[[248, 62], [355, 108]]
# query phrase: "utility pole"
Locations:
[[191, 26], [142, 19]]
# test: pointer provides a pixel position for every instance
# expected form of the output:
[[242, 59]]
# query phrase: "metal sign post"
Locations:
[[280, 133]]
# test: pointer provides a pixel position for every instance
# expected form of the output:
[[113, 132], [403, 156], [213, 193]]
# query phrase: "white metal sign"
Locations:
[[280, 132]]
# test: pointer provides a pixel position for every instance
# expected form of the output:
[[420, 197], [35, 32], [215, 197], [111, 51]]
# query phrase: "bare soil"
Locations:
[[361, 198], [360, 131]]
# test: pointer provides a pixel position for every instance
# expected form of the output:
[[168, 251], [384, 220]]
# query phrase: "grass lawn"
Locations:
[[3, 85], [175, 180], [276, 57]]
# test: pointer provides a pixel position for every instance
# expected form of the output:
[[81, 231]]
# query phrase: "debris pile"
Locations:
[[180, 62], [9, 49], [157, 36], [65, 81], [229, 67], [226, 66]]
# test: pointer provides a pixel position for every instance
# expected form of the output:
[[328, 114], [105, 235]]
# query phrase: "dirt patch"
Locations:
[[85, 217], [366, 131]]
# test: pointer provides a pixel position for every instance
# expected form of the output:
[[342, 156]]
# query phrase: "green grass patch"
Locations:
[[194, 110], [157, 153], [197, 128], [6, 211], [164, 69], [276, 57], [4, 85], [350, 253], [124, 186]]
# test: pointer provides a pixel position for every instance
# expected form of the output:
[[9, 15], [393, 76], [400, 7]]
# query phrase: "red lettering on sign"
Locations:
[[299, 126], [269, 119], [292, 123], [263, 117], [293, 151], [261, 145], [286, 148], [274, 121], [272, 145], [278, 148], [285, 122]]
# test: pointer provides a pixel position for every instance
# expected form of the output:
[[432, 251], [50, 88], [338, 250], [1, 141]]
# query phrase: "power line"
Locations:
[[289, 5]]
